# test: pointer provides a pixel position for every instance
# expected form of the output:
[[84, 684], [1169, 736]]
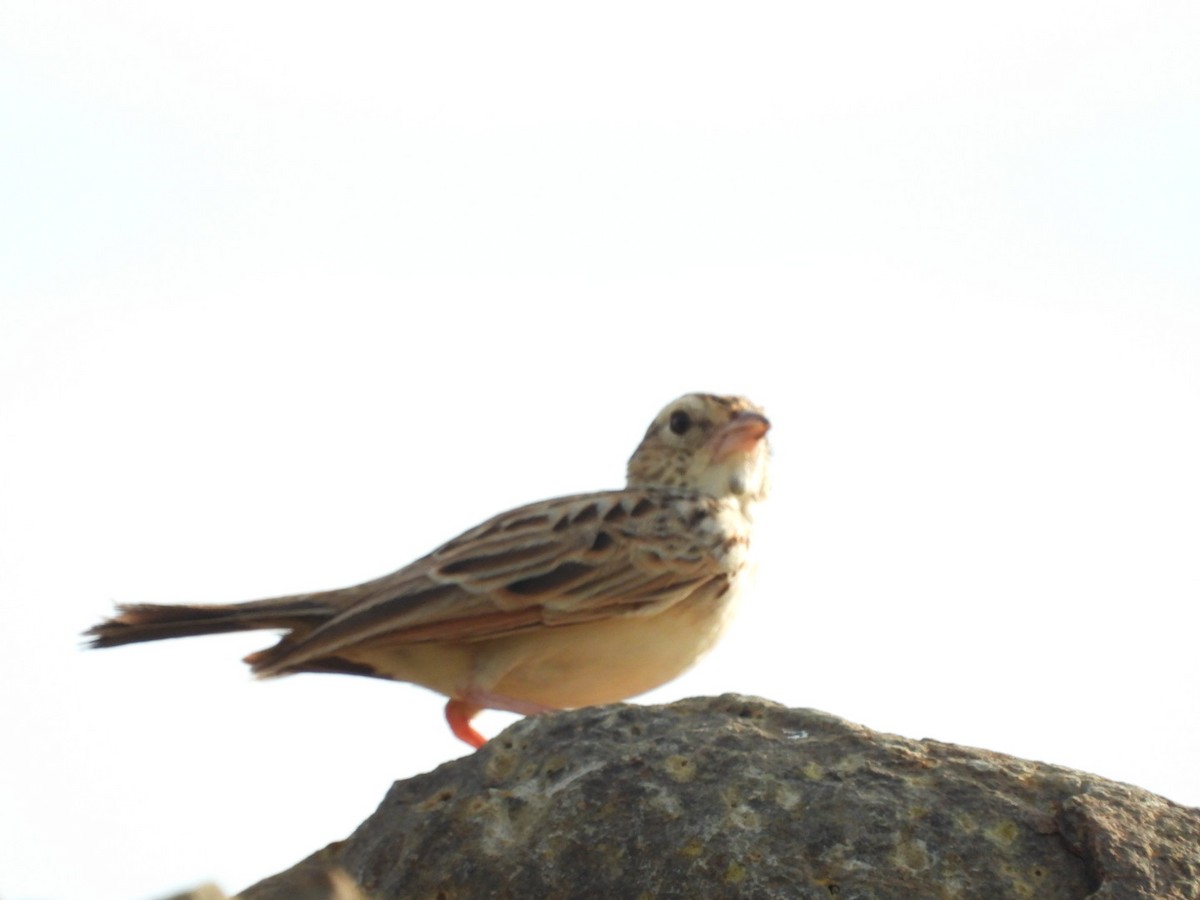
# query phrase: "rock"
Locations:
[[319, 877], [738, 797]]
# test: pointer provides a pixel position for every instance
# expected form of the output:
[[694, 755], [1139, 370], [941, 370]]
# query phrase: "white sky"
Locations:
[[292, 293]]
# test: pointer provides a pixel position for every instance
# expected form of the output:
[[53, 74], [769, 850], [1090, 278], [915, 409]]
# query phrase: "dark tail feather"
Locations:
[[139, 622]]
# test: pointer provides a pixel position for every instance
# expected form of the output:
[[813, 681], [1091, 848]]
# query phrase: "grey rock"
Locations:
[[319, 877], [738, 797]]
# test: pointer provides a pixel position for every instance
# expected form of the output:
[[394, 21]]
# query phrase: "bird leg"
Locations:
[[460, 712]]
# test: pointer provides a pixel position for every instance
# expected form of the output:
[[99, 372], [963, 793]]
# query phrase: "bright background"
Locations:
[[292, 293]]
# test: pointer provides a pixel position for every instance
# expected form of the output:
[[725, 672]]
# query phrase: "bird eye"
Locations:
[[680, 421]]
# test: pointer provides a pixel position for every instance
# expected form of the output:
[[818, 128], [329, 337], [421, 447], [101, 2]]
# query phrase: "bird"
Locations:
[[576, 601]]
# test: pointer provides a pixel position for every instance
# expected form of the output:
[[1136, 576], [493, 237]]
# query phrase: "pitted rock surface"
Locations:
[[738, 797]]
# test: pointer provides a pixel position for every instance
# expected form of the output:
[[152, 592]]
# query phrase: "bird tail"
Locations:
[[134, 623]]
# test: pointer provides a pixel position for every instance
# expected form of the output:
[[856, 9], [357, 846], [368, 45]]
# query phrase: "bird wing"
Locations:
[[557, 562]]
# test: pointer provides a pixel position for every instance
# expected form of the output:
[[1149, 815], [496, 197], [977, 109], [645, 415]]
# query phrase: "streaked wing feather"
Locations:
[[551, 563]]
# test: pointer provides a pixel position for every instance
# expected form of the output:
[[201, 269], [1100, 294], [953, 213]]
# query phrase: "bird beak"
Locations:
[[741, 435]]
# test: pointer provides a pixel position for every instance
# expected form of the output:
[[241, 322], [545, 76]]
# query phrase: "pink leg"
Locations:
[[460, 712]]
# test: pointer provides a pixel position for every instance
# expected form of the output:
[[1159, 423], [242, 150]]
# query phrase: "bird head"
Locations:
[[707, 443]]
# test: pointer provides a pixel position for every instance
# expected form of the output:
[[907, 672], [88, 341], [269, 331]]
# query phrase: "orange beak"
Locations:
[[740, 436]]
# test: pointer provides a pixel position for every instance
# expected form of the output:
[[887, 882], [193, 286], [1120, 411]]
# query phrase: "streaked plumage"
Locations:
[[569, 602]]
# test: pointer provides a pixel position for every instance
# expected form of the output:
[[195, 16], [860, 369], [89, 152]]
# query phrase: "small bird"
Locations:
[[576, 601]]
